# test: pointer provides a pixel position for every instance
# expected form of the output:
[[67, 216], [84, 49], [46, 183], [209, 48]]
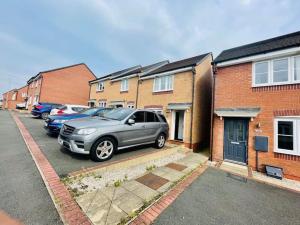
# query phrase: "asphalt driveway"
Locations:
[[217, 197], [64, 161], [23, 194]]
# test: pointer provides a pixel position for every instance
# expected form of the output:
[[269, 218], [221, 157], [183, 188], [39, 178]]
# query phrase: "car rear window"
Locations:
[[61, 107], [77, 109], [163, 117]]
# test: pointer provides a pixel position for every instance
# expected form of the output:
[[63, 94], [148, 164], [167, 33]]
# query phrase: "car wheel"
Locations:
[[160, 141], [103, 149], [45, 115]]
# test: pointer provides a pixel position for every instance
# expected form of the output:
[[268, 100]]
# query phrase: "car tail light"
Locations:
[[38, 106], [60, 111]]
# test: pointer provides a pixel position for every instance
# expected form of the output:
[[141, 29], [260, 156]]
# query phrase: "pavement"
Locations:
[[64, 161], [23, 194], [218, 197], [112, 204]]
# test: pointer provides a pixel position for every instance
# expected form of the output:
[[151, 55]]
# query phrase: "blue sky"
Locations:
[[111, 35]]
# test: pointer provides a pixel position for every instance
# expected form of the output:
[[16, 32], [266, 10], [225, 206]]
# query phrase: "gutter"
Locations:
[[192, 107], [214, 72]]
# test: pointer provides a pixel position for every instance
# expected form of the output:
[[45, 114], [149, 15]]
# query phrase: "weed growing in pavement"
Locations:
[[75, 192], [150, 168], [98, 176], [117, 183]]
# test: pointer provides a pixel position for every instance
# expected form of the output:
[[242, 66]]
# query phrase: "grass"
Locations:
[[118, 183], [150, 168]]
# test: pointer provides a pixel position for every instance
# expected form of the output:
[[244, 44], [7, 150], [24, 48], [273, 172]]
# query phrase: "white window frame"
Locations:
[[296, 136], [14, 96], [100, 86], [124, 84], [158, 79], [291, 72], [102, 104], [36, 83]]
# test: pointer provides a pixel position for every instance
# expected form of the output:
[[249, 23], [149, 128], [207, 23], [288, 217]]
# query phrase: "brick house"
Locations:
[[65, 85], [257, 105], [119, 89], [181, 90], [9, 99]]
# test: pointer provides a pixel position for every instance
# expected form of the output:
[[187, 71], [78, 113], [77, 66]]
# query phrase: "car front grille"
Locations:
[[68, 129]]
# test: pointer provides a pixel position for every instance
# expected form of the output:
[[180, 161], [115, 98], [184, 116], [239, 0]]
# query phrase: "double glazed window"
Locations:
[[124, 85], [287, 139], [100, 86], [277, 71], [163, 83], [102, 104]]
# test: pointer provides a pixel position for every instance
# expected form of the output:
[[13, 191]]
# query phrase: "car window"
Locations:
[[139, 117], [163, 117], [61, 107], [77, 109], [118, 114], [151, 117]]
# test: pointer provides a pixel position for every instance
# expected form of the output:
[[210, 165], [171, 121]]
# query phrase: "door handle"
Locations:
[[235, 143]]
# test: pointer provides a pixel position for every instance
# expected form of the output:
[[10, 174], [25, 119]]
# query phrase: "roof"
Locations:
[[193, 61], [118, 73], [144, 69], [60, 68], [261, 47]]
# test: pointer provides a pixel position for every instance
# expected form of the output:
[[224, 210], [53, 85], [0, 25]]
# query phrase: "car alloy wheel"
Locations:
[[104, 149], [161, 141], [45, 115]]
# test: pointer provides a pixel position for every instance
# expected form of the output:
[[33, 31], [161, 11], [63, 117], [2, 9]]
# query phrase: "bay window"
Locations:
[[124, 85], [163, 83], [287, 139], [276, 71]]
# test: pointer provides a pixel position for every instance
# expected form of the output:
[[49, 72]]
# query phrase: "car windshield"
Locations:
[[118, 114], [89, 112]]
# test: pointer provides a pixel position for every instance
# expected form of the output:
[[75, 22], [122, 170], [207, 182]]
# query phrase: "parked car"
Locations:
[[21, 105], [43, 109], [117, 129], [68, 109], [54, 123]]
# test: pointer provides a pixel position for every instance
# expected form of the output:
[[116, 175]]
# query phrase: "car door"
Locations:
[[134, 134], [152, 126]]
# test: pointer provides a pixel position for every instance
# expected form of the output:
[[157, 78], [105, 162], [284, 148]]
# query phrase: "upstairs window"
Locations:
[[100, 86], [14, 96], [124, 85], [287, 138], [164, 83], [277, 71]]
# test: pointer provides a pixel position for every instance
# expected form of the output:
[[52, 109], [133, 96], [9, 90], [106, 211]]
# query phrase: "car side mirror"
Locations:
[[131, 121]]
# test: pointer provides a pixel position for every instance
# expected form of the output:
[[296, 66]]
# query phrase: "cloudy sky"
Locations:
[[37, 35]]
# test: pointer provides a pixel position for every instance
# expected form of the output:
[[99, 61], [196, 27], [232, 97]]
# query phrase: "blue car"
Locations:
[[53, 124], [43, 109]]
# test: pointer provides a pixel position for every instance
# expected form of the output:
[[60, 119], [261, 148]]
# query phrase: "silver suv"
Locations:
[[117, 129]]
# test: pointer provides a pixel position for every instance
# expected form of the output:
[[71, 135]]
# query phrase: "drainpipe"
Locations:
[[192, 107], [214, 72], [137, 92]]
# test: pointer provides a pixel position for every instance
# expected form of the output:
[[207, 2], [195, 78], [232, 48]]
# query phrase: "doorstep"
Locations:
[[123, 197]]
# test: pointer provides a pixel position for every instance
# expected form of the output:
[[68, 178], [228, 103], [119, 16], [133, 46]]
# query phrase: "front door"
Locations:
[[235, 139], [179, 121]]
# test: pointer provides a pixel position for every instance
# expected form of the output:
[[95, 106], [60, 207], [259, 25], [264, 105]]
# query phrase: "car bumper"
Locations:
[[52, 128], [35, 113], [75, 144]]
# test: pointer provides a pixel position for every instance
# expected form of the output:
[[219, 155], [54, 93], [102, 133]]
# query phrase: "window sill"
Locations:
[[274, 87], [162, 92], [99, 91], [286, 152], [123, 92]]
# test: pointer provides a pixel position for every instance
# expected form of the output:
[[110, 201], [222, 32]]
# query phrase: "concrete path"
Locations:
[[23, 194], [218, 197]]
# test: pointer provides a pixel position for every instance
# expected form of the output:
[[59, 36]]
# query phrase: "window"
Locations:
[[280, 70], [151, 117], [130, 106], [287, 138], [164, 83], [124, 85], [102, 104], [36, 83], [29, 100], [261, 73], [139, 117], [13, 97], [297, 68], [36, 99], [277, 71], [100, 86]]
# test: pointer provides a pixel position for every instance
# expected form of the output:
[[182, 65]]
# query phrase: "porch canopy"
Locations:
[[179, 106], [92, 100], [237, 112]]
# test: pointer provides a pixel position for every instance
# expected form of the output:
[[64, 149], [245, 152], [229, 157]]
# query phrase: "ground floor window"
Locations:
[[287, 139], [130, 106], [102, 104]]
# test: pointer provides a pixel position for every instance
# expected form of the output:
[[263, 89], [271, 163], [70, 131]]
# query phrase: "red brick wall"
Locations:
[[233, 89]]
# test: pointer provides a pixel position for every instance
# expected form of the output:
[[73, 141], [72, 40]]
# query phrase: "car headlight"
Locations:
[[85, 131], [59, 121]]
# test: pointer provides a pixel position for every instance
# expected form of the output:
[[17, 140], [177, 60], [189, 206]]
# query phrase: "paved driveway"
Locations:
[[64, 161], [23, 194], [217, 197]]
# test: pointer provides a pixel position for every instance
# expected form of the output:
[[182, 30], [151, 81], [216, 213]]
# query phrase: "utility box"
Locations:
[[261, 143], [275, 172]]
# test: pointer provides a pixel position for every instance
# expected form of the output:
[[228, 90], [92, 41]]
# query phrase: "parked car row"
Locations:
[[100, 132]]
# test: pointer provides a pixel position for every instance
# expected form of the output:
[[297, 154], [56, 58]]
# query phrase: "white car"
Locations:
[[68, 109]]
